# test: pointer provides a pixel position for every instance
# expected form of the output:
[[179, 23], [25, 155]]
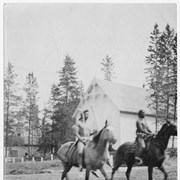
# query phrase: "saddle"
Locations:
[[72, 154]]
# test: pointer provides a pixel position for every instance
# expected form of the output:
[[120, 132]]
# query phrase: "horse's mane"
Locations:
[[162, 137], [162, 130], [97, 136]]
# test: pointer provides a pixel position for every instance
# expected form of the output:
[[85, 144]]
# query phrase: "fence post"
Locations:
[[41, 159], [22, 160], [33, 158], [13, 159], [51, 157]]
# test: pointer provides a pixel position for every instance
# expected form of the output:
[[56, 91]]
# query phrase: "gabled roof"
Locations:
[[127, 98]]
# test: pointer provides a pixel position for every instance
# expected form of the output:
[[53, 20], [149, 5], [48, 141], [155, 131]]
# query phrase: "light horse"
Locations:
[[153, 156], [95, 152]]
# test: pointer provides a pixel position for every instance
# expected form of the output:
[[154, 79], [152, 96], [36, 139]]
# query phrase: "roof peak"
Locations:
[[116, 83]]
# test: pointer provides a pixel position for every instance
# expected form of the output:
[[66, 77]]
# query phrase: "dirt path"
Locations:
[[138, 173]]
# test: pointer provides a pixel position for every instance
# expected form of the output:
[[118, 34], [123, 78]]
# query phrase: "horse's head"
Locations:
[[170, 128], [108, 133]]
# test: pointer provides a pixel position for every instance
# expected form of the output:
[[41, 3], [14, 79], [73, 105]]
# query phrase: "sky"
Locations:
[[37, 37]]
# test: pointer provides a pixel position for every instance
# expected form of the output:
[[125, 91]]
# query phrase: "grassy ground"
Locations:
[[52, 170], [31, 167]]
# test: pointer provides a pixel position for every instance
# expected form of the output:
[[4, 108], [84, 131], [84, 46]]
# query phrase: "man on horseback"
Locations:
[[142, 133], [83, 133]]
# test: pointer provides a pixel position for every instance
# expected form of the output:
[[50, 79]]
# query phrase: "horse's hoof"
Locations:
[[166, 176], [95, 174]]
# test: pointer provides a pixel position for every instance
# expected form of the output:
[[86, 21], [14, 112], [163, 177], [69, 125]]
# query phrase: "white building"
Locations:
[[119, 104]]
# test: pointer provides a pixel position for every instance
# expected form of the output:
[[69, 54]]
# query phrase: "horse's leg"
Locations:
[[164, 172], [104, 173], [117, 162], [150, 172], [113, 171], [129, 168], [67, 168], [88, 169]]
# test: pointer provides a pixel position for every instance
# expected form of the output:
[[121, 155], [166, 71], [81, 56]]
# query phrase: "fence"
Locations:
[[30, 159]]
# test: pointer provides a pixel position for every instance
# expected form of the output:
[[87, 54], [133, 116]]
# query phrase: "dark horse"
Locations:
[[152, 157], [95, 152]]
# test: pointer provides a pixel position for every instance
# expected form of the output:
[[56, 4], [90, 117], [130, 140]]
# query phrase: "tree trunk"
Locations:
[[7, 124], [167, 91], [29, 135], [52, 137], [156, 95], [175, 104], [7, 129]]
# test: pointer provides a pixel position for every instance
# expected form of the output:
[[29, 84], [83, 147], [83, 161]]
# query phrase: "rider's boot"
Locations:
[[80, 163]]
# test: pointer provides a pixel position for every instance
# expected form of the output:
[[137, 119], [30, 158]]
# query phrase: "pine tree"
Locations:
[[31, 109], [174, 80], [45, 141], [162, 73], [11, 102], [61, 106], [69, 91], [108, 68], [174, 77], [154, 73], [169, 64], [68, 80], [55, 103]]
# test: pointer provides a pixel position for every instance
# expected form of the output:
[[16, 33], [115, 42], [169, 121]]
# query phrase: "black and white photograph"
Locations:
[[90, 91]]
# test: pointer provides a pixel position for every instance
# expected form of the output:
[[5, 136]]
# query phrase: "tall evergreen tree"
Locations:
[[68, 80], [45, 141], [169, 66], [154, 78], [11, 101], [31, 109], [108, 68], [69, 93], [162, 73], [62, 104], [174, 81], [174, 77]]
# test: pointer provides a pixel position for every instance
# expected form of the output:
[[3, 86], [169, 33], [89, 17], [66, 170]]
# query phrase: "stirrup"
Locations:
[[139, 161]]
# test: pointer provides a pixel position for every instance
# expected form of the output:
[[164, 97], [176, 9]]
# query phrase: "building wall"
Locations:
[[104, 110], [128, 126]]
